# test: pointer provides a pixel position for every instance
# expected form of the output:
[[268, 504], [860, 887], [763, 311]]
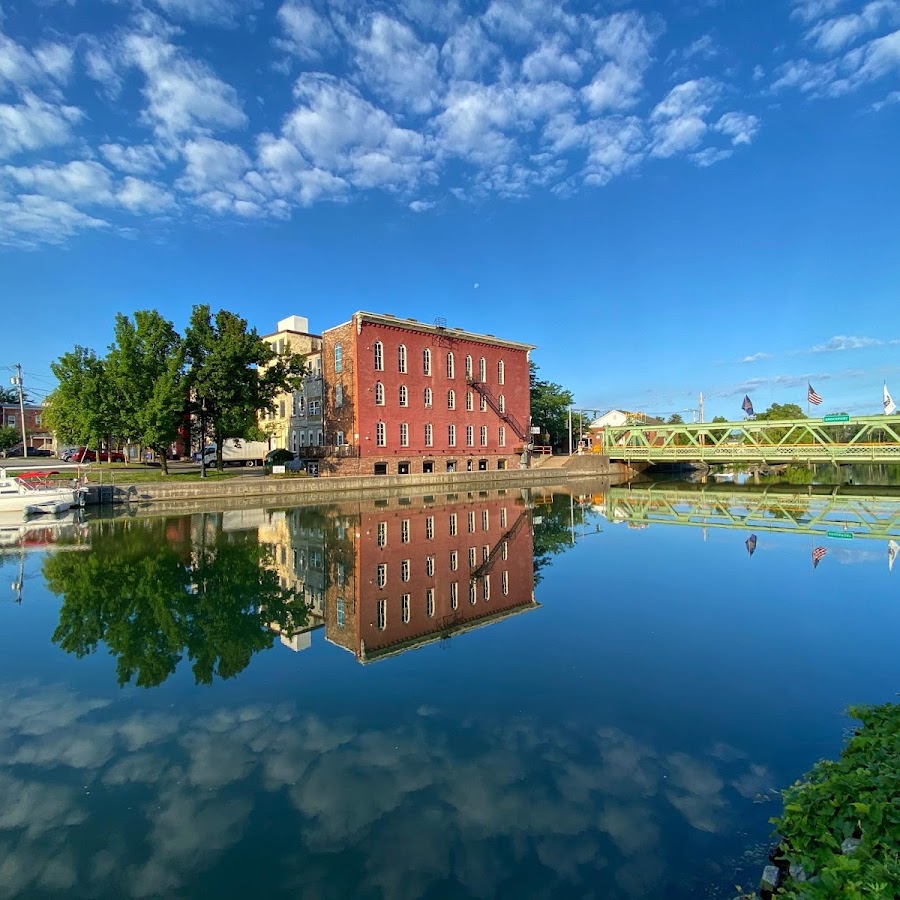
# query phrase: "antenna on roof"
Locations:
[[440, 322]]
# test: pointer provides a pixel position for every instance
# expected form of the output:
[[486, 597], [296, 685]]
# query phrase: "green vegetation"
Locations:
[[9, 437], [151, 381], [550, 409], [856, 796], [10, 396]]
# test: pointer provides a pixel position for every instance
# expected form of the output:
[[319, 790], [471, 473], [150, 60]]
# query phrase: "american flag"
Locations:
[[812, 396], [818, 553]]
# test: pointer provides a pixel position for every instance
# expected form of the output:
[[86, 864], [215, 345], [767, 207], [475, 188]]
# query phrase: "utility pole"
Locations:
[[570, 430], [702, 440], [17, 381], [701, 407]]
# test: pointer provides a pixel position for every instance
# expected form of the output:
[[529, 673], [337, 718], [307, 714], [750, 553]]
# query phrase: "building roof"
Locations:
[[436, 328]]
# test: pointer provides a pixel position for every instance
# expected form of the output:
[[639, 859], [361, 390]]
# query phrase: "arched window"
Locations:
[[429, 435], [404, 395], [468, 367], [401, 359], [470, 435], [379, 394], [451, 368], [380, 435], [482, 369], [501, 402], [378, 352], [426, 361], [338, 395], [338, 358], [451, 399], [469, 401], [427, 398], [501, 372]]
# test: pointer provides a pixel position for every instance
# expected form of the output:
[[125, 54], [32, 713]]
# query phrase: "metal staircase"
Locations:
[[491, 400], [488, 564]]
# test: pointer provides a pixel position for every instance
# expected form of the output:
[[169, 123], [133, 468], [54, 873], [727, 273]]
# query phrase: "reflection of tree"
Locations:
[[554, 534], [153, 602]]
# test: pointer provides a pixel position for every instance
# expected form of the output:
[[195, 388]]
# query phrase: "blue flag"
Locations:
[[747, 406]]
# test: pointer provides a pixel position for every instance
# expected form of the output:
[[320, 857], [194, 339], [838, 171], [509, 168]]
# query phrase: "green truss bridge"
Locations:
[[869, 513], [835, 439]]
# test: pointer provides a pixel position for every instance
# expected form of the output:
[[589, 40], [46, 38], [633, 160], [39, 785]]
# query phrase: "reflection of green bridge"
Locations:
[[842, 439], [793, 510]]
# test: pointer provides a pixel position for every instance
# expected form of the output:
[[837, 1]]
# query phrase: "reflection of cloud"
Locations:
[[473, 802]]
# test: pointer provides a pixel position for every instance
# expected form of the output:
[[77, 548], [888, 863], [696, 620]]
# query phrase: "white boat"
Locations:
[[35, 489]]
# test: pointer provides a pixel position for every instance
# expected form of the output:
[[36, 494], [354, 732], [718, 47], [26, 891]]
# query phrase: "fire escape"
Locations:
[[491, 400], [488, 564]]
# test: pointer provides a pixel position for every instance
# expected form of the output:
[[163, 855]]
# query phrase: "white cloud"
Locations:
[[468, 53], [740, 127], [20, 68], [756, 357], [308, 34], [210, 12], [35, 124], [679, 119], [137, 195], [31, 219], [79, 182], [832, 35], [846, 342], [418, 206], [810, 10], [612, 88], [551, 61], [136, 159]]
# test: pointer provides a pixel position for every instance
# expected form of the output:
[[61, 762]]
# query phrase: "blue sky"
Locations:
[[666, 197]]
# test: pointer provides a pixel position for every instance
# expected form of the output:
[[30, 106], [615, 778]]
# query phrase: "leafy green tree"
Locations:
[[145, 366], [154, 599], [675, 419], [83, 408], [234, 374], [9, 437], [780, 411], [718, 433], [10, 396], [550, 408]]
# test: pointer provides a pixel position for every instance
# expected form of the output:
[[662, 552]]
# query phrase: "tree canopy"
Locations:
[[550, 408]]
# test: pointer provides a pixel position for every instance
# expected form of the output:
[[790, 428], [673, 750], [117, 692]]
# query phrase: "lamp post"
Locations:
[[203, 438]]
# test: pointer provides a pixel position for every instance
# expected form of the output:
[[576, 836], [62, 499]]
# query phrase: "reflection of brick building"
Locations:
[[426, 572], [403, 397]]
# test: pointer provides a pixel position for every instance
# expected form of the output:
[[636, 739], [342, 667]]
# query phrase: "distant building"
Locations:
[[402, 396], [616, 418], [38, 435]]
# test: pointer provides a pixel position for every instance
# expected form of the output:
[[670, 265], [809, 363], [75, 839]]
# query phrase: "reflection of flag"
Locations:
[[888, 402], [751, 544], [893, 547], [747, 406], [812, 396], [818, 553]]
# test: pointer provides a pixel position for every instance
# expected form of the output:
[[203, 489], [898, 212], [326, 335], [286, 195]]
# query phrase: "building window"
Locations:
[[313, 407], [405, 605], [485, 552], [404, 570], [401, 359], [468, 366], [501, 403], [501, 436], [378, 352], [485, 519], [427, 398], [473, 593], [483, 404], [472, 557], [504, 582], [429, 603], [471, 522], [339, 439], [429, 528], [380, 440], [504, 550], [404, 434], [379, 394], [482, 369], [454, 560], [382, 614], [404, 531], [429, 438], [426, 361], [37, 419], [454, 594], [338, 358], [301, 405], [381, 575], [486, 588], [453, 525], [501, 372], [451, 368], [10, 421], [470, 405], [484, 435], [340, 612], [470, 436], [451, 399], [404, 395], [429, 566], [382, 534], [338, 395], [503, 517], [451, 435]]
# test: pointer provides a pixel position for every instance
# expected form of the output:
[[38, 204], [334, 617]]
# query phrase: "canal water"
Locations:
[[488, 694]]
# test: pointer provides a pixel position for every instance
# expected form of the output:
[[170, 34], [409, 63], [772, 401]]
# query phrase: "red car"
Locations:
[[84, 455]]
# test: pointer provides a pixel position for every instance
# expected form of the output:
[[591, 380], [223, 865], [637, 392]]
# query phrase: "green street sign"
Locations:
[[843, 535], [840, 418]]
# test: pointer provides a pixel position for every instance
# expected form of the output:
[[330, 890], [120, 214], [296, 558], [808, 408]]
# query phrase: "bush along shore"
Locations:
[[839, 832]]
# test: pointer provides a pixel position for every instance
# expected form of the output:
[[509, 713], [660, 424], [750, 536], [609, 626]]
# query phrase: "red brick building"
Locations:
[[404, 397], [39, 437], [421, 573]]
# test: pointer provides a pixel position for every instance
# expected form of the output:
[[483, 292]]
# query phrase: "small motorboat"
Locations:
[[36, 491]]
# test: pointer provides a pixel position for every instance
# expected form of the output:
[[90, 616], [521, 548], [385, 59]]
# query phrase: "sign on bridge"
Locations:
[[842, 417]]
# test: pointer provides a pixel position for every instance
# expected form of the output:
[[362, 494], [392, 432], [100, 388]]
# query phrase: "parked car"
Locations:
[[39, 451], [81, 454]]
